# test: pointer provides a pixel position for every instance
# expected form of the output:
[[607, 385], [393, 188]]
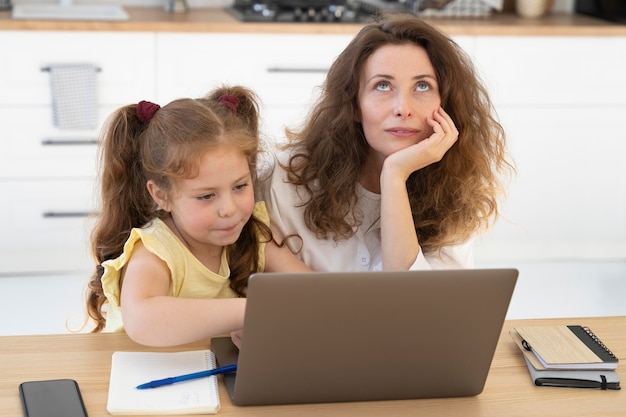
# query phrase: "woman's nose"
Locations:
[[403, 107]]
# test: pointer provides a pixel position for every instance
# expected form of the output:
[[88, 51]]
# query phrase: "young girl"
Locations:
[[179, 231]]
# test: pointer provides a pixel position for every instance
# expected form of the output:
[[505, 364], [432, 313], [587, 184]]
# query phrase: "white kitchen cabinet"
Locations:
[[47, 174], [38, 150], [582, 71], [45, 225], [125, 60], [568, 201], [561, 101], [284, 70]]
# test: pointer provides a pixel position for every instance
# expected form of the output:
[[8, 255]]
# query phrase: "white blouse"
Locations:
[[362, 251]]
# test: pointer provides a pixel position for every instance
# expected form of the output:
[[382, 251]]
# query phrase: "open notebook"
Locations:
[[331, 337], [129, 369]]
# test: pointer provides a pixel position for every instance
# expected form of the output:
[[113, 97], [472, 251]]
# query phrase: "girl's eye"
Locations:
[[382, 86], [241, 186], [206, 197]]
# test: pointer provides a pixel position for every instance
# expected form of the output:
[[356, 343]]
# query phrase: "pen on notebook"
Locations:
[[168, 381]]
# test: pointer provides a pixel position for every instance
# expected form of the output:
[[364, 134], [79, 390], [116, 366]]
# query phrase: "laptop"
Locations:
[[359, 336]]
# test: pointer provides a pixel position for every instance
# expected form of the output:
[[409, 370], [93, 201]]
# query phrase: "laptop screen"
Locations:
[[330, 337]]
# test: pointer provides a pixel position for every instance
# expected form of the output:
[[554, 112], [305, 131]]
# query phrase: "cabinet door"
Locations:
[[553, 70], [125, 60], [39, 150], [568, 200], [45, 224], [284, 70], [560, 102]]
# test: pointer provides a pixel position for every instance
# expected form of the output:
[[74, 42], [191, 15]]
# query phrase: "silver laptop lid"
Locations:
[[332, 337]]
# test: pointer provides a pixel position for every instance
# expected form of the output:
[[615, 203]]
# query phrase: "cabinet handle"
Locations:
[[66, 214], [48, 69], [68, 142], [297, 70]]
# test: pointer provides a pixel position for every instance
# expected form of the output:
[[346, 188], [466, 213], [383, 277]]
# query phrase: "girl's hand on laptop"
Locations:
[[237, 336]]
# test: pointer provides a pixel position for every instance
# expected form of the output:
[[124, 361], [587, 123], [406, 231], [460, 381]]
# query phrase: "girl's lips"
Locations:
[[229, 229]]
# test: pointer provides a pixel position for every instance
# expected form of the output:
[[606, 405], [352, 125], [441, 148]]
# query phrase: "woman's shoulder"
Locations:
[[273, 161], [272, 175]]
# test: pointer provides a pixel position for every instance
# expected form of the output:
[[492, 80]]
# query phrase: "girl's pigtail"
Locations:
[[242, 103], [125, 201], [230, 102]]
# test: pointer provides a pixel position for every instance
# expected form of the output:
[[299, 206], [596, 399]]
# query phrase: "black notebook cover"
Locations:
[[574, 378]]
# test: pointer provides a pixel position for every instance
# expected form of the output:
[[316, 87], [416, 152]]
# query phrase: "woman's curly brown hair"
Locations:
[[451, 199]]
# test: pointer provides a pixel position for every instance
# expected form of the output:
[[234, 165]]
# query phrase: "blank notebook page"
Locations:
[[129, 369]]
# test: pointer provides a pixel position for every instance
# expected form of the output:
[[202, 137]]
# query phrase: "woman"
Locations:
[[398, 165]]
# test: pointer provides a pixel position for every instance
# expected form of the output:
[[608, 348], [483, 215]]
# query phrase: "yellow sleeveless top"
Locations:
[[189, 277]]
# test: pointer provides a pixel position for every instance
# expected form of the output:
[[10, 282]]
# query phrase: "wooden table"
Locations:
[[508, 392]]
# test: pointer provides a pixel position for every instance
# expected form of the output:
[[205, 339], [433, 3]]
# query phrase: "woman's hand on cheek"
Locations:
[[430, 150], [445, 134], [443, 126]]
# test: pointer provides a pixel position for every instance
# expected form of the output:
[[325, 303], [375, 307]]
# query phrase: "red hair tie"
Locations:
[[231, 102], [145, 110]]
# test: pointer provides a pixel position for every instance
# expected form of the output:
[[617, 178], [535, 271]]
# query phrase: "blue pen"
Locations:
[[168, 381]]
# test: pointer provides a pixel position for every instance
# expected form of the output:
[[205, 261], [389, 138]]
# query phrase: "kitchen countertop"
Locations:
[[218, 20]]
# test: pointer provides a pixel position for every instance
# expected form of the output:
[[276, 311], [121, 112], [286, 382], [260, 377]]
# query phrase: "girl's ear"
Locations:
[[158, 195]]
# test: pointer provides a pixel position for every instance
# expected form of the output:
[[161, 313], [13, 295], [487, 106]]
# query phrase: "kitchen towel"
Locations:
[[74, 96]]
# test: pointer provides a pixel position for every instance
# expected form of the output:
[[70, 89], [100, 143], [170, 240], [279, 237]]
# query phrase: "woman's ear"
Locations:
[[158, 195]]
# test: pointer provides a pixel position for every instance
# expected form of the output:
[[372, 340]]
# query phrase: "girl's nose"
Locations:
[[227, 206]]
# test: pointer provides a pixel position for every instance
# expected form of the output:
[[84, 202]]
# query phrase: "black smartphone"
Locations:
[[52, 398]]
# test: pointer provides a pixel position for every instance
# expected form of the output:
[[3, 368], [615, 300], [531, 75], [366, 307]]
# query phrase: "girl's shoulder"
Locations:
[[154, 235], [161, 241], [260, 212]]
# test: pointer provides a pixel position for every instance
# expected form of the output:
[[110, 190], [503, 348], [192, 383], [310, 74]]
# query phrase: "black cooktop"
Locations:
[[312, 11]]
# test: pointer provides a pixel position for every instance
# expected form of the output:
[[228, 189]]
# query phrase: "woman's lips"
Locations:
[[403, 132]]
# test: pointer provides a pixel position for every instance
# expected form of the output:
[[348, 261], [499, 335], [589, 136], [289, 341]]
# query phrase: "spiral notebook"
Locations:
[[129, 369], [565, 347], [356, 336], [602, 379]]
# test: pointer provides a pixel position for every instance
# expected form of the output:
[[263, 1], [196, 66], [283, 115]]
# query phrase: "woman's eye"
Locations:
[[382, 86], [422, 86]]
